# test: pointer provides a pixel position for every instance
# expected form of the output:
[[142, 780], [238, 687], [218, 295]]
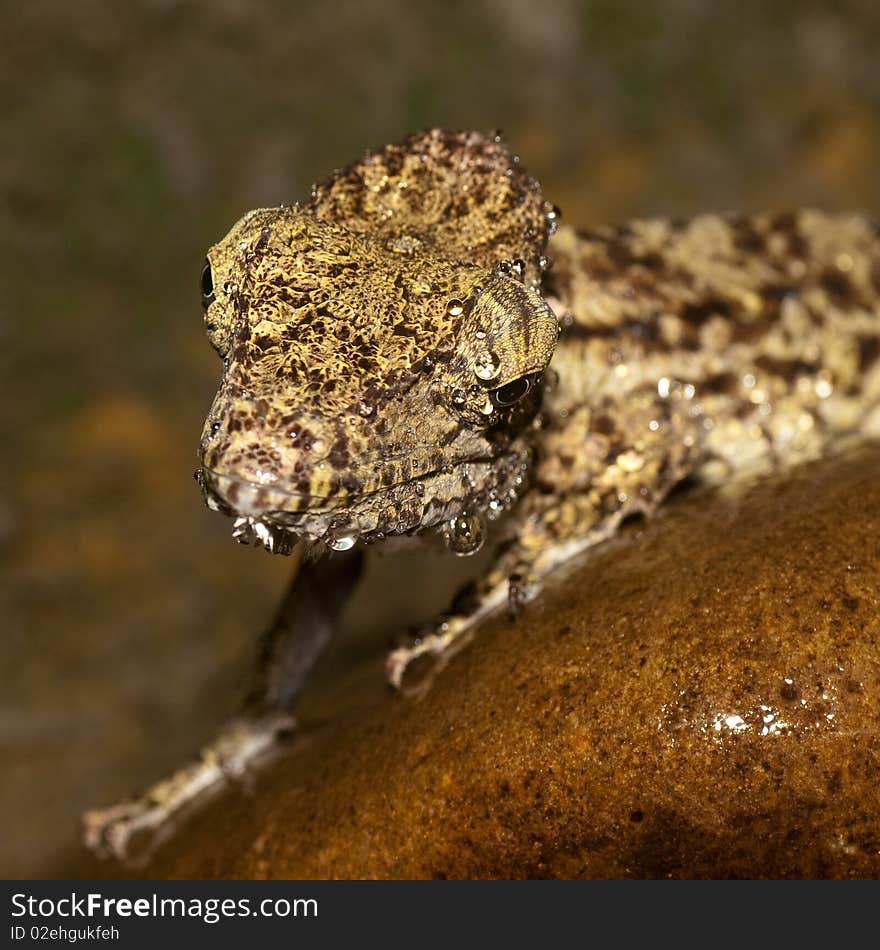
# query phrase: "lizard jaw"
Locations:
[[268, 516]]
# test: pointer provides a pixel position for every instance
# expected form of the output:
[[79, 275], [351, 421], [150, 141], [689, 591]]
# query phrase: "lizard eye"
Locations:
[[511, 392], [207, 285]]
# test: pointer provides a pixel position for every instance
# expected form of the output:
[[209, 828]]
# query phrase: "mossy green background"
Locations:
[[134, 134]]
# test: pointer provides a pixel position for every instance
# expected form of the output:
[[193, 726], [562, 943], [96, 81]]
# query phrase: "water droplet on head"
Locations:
[[553, 212], [365, 409], [480, 334], [459, 397], [344, 542], [455, 307], [465, 534], [824, 385], [486, 366]]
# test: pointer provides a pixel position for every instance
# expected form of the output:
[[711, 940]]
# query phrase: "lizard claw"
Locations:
[[115, 832]]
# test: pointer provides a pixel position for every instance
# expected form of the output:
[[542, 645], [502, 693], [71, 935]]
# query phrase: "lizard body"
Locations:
[[420, 347]]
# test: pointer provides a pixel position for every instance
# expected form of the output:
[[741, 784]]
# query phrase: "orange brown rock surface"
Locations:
[[700, 698]]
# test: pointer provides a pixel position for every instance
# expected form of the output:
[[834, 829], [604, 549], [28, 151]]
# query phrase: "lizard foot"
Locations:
[[454, 632], [442, 643], [131, 831]]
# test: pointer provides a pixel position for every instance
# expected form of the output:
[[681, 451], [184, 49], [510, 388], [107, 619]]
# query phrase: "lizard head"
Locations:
[[383, 348]]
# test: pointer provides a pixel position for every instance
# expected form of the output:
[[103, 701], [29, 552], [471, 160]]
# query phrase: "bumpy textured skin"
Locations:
[[353, 328]]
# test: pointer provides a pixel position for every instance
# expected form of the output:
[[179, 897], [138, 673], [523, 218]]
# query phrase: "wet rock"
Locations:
[[700, 698]]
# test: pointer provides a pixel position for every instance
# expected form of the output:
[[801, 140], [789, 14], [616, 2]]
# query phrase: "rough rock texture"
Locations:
[[700, 698]]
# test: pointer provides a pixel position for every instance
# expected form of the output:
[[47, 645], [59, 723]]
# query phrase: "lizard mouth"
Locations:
[[275, 517]]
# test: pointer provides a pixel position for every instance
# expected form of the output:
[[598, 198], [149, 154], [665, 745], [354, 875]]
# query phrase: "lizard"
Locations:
[[423, 347]]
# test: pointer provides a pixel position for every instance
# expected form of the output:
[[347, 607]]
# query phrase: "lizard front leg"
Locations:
[[596, 468], [299, 633]]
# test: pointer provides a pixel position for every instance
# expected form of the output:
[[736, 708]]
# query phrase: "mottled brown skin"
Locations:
[[386, 351], [350, 329], [706, 349]]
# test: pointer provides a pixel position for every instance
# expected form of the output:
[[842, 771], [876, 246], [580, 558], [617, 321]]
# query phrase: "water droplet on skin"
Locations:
[[459, 397], [544, 262], [487, 366], [455, 308], [365, 409], [465, 534], [553, 213], [343, 543], [824, 386], [480, 334], [487, 408]]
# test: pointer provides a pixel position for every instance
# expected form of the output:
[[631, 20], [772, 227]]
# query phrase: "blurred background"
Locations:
[[134, 135]]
